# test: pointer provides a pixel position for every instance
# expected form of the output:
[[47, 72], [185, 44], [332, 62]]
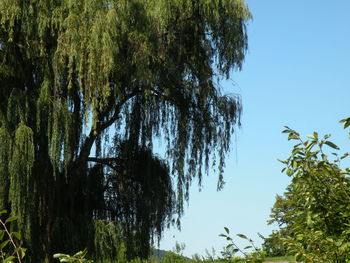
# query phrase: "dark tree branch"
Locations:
[[100, 127], [105, 161]]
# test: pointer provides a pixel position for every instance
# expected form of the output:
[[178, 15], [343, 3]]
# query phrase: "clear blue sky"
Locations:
[[296, 73]]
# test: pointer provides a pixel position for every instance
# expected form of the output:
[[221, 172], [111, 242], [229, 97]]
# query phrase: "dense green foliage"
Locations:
[[86, 86], [314, 213]]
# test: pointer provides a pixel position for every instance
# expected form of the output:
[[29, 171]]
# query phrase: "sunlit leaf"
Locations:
[[242, 236], [17, 235], [8, 259], [21, 251], [11, 219], [59, 255], [332, 145]]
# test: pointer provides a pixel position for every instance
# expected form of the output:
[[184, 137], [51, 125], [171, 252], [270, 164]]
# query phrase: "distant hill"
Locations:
[[160, 254]]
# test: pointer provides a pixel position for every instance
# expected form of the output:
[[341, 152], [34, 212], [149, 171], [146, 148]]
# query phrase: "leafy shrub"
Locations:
[[314, 213], [257, 256]]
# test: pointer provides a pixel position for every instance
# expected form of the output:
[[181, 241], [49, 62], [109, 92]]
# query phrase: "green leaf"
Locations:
[[17, 235], [309, 220], [3, 244], [290, 172], [292, 137], [80, 254], [309, 146], [300, 237], [282, 161], [294, 164], [339, 243], [247, 247], [347, 231], [2, 233], [296, 150], [242, 236], [287, 130], [227, 230], [332, 145], [229, 245], [329, 239], [9, 259], [327, 136], [345, 246], [344, 155], [59, 255], [21, 251], [3, 212], [235, 250], [10, 219], [310, 137], [346, 122], [65, 260], [261, 236], [324, 157]]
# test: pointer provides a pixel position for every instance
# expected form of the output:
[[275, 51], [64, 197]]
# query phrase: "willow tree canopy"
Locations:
[[87, 86]]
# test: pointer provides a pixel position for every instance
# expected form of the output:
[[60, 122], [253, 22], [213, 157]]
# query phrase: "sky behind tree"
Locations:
[[296, 73]]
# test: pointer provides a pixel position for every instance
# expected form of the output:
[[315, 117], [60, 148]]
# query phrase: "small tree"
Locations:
[[314, 213]]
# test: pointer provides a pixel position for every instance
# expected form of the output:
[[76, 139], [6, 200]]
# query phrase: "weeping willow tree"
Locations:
[[86, 87]]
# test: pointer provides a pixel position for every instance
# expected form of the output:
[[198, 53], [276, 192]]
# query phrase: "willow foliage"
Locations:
[[87, 86]]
